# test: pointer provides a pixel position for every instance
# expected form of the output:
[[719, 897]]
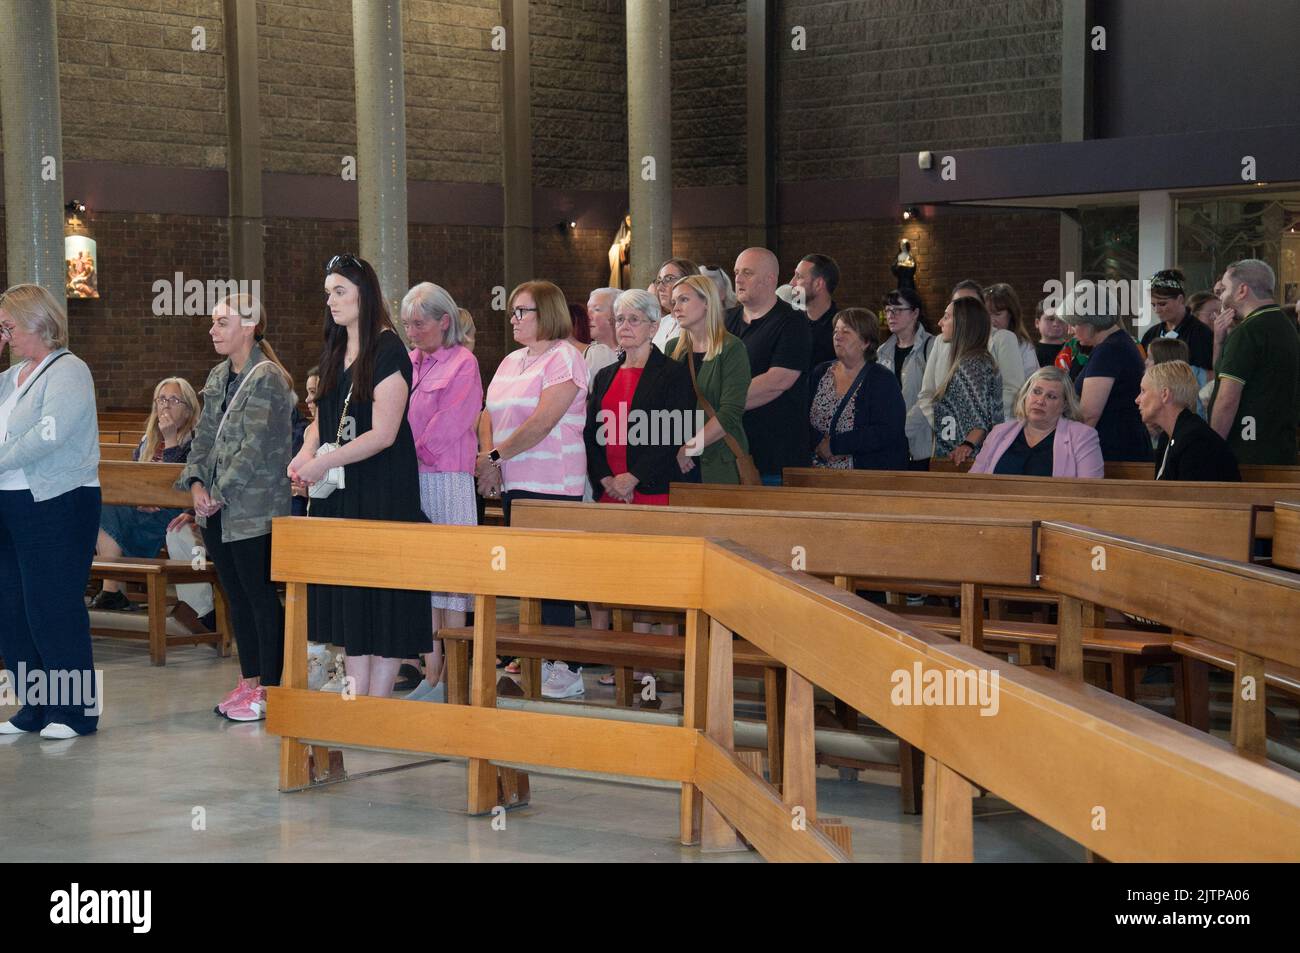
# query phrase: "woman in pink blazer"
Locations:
[[1045, 439]]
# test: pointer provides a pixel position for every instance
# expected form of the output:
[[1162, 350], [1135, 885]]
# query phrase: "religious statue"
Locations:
[[620, 255], [904, 266]]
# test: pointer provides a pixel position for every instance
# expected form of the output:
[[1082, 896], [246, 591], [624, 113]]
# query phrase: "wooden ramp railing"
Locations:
[[1079, 760]]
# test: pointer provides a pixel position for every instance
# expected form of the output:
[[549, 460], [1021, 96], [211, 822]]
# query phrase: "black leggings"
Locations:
[[244, 568]]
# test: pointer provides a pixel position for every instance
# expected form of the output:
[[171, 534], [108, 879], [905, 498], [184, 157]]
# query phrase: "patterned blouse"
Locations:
[[823, 410], [973, 400]]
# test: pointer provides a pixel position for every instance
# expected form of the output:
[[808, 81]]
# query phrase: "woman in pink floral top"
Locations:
[[530, 434], [446, 397]]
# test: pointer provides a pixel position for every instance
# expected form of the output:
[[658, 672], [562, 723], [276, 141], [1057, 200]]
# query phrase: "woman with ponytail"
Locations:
[[236, 476]]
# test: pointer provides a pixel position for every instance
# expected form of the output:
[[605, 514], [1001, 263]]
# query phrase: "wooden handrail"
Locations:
[[1059, 750]]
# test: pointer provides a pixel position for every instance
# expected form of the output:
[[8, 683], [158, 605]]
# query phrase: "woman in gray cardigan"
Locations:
[[49, 518], [905, 314], [236, 475]]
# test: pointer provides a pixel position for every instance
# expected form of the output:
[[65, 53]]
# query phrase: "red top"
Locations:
[[617, 401]]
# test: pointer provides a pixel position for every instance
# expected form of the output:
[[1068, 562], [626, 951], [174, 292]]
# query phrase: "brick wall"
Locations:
[[882, 78], [132, 88], [708, 104]]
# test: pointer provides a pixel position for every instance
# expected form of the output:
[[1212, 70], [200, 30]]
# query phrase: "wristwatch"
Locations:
[[494, 455], [967, 443]]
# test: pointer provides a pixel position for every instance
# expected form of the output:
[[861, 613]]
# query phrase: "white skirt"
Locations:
[[448, 500]]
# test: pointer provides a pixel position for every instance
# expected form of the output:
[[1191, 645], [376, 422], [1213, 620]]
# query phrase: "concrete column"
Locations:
[[517, 152], [760, 125], [649, 137], [1077, 18], [33, 145], [244, 151], [381, 143], [1155, 243]]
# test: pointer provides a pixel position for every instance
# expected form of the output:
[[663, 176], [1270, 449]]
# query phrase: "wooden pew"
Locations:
[[150, 484], [1248, 609], [117, 451], [1255, 494], [1052, 747], [1286, 536], [1227, 530], [1250, 473]]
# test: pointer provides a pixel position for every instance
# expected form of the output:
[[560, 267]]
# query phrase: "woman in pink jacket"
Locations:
[[446, 397], [1046, 438]]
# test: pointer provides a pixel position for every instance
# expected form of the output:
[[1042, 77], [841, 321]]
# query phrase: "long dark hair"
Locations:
[[908, 298], [971, 328], [372, 320]]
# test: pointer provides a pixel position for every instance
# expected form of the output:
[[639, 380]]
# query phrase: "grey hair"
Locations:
[[719, 276], [642, 301], [1070, 411], [1256, 275], [1099, 322], [432, 302], [612, 292]]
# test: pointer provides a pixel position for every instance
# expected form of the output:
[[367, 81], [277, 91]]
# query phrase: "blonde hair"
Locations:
[[1178, 378], [553, 321], [37, 311], [715, 330], [249, 308], [467, 329], [1071, 408], [153, 435]]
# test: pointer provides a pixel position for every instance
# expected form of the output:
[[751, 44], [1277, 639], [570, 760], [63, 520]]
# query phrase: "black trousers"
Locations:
[[244, 568]]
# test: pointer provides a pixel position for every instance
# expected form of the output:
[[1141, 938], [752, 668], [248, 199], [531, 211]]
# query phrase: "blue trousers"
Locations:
[[45, 553]]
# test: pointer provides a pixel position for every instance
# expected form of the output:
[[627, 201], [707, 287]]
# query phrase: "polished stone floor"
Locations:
[[166, 779]]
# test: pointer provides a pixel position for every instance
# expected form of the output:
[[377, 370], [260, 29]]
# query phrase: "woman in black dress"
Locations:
[[365, 367]]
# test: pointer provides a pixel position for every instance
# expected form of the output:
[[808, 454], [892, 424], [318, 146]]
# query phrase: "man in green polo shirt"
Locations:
[[1256, 401]]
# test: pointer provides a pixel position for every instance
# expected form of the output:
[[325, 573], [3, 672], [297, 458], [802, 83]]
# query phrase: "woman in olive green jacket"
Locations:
[[721, 373]]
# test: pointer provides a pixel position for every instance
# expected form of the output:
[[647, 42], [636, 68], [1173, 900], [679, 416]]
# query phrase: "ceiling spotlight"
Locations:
[[910, 213], [573, 224], [75, 207]]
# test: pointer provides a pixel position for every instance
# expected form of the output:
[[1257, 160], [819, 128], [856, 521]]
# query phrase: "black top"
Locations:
[[823, 336], [777, 431], [1120, 430], [665, 385], [1020, 459], [394, 623], [1196, 452], [1047, 353], [900, 358], [1198, 338]]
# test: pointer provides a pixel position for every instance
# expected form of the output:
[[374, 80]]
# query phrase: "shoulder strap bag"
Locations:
[[749, 475]]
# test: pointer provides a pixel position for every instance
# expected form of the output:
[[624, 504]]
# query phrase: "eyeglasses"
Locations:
[[7, 329], [629, 321], [668, 282], [519, 314], [167, 401], [897, 309], [343, 261]]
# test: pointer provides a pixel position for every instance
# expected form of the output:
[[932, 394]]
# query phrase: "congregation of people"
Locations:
[[751, 384]]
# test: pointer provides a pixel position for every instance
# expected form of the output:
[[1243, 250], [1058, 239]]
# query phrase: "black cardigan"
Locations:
[[1196, 452], [664, 385], [878, 440]]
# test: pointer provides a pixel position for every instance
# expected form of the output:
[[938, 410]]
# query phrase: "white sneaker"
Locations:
[[562, 683], [335, 683], [546, 670], [57, 730], [9, 728]]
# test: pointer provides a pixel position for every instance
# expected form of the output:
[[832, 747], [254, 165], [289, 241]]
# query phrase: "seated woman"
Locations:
[[644, 384], [1189, 449], [1046, 438], [858, 415], [142, 530]]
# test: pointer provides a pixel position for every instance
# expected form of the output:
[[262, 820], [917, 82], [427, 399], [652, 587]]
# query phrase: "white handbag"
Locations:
[[334, 478]]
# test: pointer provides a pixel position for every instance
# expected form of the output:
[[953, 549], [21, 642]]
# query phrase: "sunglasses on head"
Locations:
[[343, 261]]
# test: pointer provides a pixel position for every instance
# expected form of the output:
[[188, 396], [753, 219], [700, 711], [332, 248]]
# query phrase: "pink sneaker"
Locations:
[[250, 707], [240, 690]]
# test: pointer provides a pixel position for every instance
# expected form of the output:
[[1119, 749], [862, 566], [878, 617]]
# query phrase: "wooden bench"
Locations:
[[157, 574], [1226, 530], [1263, 495], [150, 484], [1249, 610], [1286, 536], [1250, 473], [117, 451]]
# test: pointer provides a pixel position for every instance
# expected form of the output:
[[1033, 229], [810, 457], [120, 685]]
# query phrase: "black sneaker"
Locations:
[[114, 601], [408, 677]]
